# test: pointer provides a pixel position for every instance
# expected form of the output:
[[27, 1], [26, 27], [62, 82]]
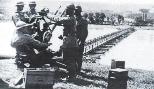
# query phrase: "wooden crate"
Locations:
[[117, 78], [117, 64], [39, 77]]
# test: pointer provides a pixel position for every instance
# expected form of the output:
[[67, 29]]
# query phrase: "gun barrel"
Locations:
[[2, 57]]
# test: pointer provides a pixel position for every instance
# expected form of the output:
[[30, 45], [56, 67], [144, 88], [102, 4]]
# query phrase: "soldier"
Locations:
[[19, 14], [27, 47], [70, 46], [82, 33], [32, 6], [32, 13]]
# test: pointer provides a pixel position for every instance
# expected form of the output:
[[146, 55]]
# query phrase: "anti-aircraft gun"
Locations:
[[46, 33], [44, 76], [43, 35]]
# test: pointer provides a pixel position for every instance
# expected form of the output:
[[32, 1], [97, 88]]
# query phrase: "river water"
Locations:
[[137, 50]]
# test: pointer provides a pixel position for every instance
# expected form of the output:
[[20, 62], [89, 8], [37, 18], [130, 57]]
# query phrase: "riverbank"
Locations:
[[95, 76]]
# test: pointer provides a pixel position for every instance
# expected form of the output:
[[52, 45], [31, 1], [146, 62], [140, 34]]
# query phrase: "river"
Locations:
[[136, 50]]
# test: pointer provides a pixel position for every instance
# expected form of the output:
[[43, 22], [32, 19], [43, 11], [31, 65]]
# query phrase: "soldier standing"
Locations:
[[32, 13], [70, 46], [82, 33], [19, 14]]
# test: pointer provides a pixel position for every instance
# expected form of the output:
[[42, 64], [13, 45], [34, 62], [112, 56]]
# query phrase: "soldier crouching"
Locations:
[[27, 47]]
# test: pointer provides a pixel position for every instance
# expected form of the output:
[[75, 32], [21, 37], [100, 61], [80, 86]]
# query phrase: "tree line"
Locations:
[[100, 18]]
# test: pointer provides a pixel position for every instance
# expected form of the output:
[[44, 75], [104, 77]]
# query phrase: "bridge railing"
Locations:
[[96, 42]]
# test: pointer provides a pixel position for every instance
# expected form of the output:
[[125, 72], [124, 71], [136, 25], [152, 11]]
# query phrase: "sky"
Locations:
[[115, 5], [119, 4], [117, 1]]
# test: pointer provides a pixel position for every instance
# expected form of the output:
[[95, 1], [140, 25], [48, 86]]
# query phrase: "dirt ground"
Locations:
[[95, 76]]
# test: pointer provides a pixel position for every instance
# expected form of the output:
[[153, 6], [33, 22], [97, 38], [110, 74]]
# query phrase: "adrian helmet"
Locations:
[[71, 7], [78, 8], [32, 3], [20, 3]]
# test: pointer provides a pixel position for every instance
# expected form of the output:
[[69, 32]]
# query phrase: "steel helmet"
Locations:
[[71, 7], [20, 4], [32, 3], [78, 8]]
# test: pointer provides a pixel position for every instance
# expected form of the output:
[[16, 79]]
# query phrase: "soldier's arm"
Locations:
[[37, 44], [15, 19], [59, 20], [28, 17], [85, 23], [52, 17], [68, 21]]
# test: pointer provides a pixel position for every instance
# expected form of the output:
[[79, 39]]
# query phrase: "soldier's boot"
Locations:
[[79, 60], [20, 60], [71, 67], [79, 65]]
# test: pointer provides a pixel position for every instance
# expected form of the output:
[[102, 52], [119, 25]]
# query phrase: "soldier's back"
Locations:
[[82, 28], [69, 26]]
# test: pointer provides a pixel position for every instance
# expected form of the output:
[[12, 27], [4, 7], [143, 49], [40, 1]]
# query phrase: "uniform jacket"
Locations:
[[25, 39], [20, 16], [82, 28], [69, 31]]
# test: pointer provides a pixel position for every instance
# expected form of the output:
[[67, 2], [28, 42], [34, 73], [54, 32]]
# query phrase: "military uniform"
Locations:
[[32, 13], [82, 29], [82, 33], [25, 46], [20, 15], [70, 46]]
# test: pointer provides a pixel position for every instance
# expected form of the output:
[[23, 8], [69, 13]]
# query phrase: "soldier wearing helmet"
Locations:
[[70, 46], [32, 16], [19, 14], [20, 6], [26, 45], [32, 11], [82, 33]]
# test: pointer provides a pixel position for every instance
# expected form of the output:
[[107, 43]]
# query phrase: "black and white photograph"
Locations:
[[76, 44]]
